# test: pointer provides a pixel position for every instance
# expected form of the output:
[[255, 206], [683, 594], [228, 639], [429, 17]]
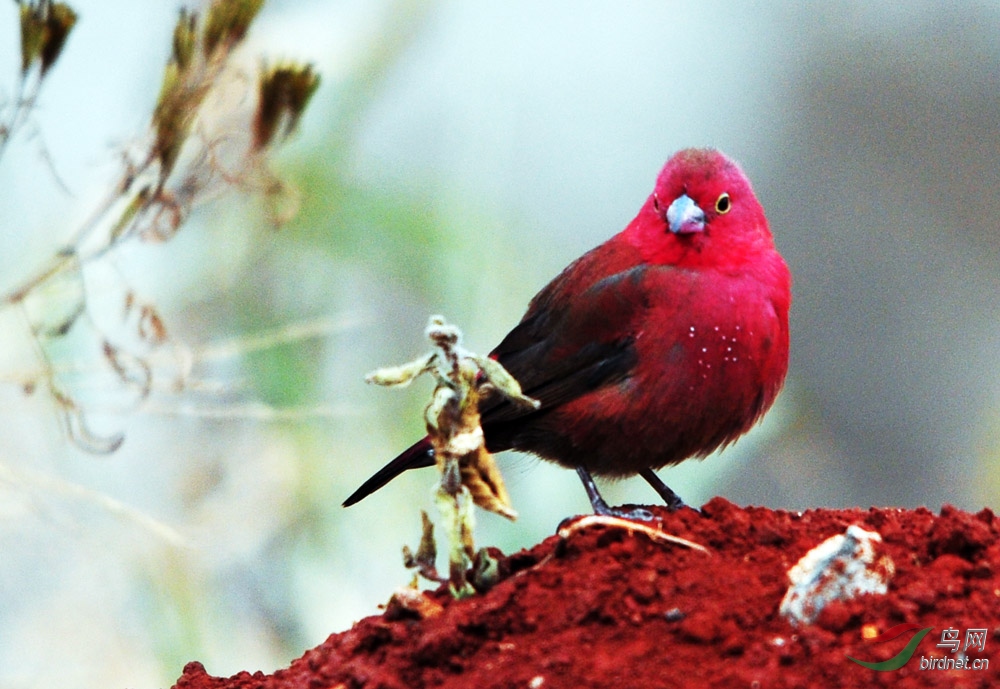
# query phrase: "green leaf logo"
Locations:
[[901, 658]]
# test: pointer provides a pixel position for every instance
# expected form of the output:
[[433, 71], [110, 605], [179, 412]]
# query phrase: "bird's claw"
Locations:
[[638, 514]]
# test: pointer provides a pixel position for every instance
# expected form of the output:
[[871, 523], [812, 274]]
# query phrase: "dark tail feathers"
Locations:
[[416, 456]]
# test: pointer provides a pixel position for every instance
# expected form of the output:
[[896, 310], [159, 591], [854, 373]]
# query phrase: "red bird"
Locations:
[[666, 342]]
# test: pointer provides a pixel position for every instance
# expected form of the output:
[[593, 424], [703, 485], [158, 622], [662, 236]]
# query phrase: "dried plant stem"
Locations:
[[157, 189], [468, 474]]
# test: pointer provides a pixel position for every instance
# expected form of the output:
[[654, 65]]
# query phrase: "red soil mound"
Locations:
[[608, 608]]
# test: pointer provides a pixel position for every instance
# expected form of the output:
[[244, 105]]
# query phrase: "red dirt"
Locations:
[[606, 608]]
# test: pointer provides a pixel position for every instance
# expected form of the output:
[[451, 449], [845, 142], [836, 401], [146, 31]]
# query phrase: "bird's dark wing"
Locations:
[[574, 338], [568, 345]]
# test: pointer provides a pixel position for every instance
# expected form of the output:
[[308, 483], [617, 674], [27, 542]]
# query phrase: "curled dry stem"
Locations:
[[632, 527]]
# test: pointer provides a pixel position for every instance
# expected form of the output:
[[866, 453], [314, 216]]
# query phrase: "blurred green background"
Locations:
[[456, 157]]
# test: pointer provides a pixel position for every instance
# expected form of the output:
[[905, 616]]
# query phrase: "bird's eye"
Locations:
[[656, 202], [723, 204]]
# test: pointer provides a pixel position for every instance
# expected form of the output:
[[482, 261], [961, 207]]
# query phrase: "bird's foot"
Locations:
[[602, 508]]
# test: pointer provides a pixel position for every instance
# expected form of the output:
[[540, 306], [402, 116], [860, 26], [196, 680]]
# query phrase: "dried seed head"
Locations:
[[185, 39], [284, 92], [227, 23], [45, 26], [59, 23]]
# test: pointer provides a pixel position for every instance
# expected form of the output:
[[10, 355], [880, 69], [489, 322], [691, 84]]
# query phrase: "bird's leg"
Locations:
[[596, 501], [601, 507], [671, 498]]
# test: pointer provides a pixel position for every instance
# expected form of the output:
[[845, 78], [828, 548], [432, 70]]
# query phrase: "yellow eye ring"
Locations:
[[723, 204]]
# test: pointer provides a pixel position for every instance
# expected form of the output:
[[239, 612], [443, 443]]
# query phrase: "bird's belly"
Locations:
[[698, 393]]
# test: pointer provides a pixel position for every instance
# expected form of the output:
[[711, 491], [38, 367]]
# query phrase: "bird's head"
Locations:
[[701, 212]]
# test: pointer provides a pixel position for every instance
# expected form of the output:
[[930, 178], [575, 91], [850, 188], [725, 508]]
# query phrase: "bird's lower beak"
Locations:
[[684, 216]]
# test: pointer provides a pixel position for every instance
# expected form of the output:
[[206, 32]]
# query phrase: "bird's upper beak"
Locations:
[[684, 216]]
